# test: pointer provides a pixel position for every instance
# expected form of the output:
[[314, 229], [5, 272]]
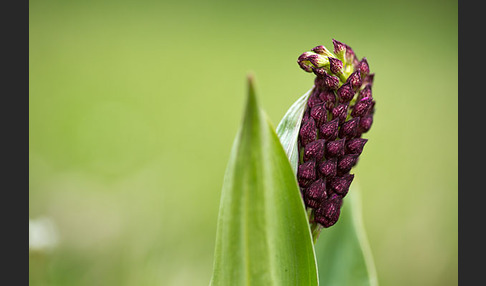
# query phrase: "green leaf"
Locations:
[[263, 237], [343, 253], [288, 129]]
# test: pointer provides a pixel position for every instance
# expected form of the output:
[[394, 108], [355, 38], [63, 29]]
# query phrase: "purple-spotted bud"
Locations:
[[365, 92], [340, 112], [328, 212], [340, 185], [306, 173], [321, 50], [317, 190], [365, 123], [362, 107], [351, 56], [304, 62], [355, 146], [314, 100], [329, 98], [314, 150], [336, 66], [335, 148], [329, 130], [331, 82], [347, 162], [308, 131], [328, 168], [345, 92], [312, 203], [349, 128], [369, 79], [364, 68], [339, 49], [318, 60], [355, 80], [319, 113]]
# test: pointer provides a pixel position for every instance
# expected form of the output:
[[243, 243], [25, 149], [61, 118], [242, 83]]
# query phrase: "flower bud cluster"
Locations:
[[339, 110]]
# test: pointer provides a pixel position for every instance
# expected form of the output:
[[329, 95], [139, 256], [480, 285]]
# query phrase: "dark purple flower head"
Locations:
[[333, 123]]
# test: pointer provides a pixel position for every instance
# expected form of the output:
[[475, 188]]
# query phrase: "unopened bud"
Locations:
[[329, 130], [328, 168], [355, 146], [335, 148]]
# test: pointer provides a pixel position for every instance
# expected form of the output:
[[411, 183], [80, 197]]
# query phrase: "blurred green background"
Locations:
[[134, 106]]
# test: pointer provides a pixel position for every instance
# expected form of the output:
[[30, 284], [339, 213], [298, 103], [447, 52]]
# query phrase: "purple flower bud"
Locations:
[[362, 107], [314, 150], [321, 50], [311, 203], [364, 68], [350, 56], [355, 80], [318, 60], [328, 212], [365, 92], [347, 162], [336, 66], [328, 168], [331, 82], [329, 98], [341, 185], [365, 123], [314, 99], [317, 190], [345, 92], [349, 128], [329, 130], [335, 148], [339, 48], [306, 173], [304, 62], [319, 113], [308, 131], [355, 146], [369, 79], [340, 112]]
